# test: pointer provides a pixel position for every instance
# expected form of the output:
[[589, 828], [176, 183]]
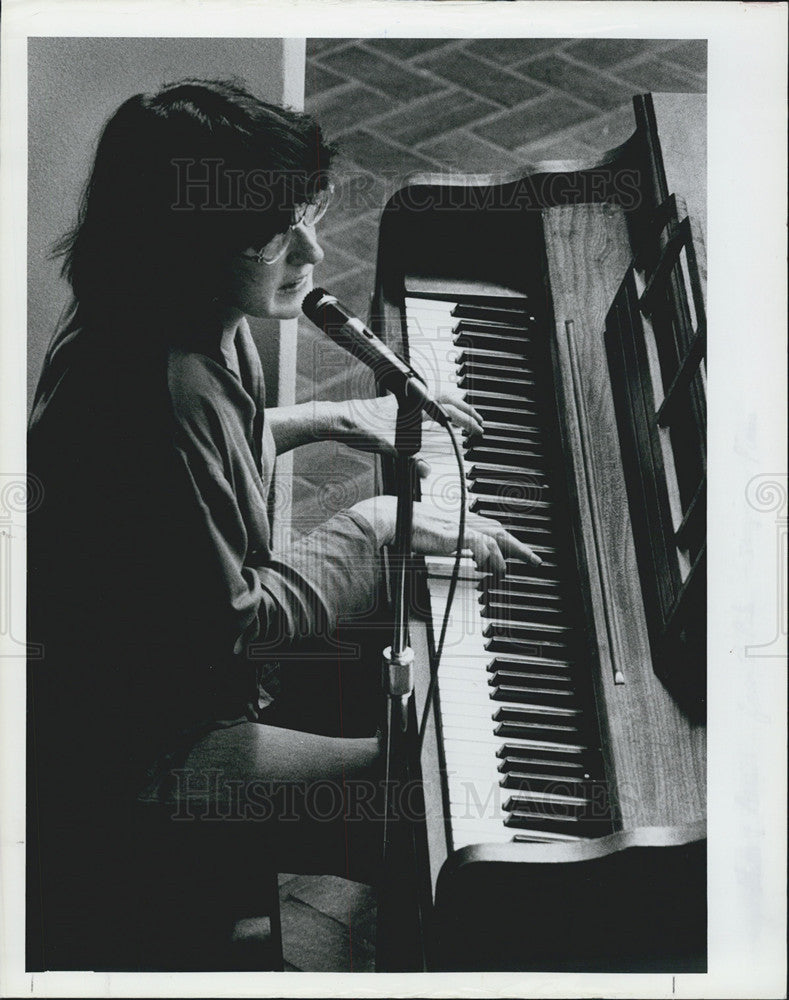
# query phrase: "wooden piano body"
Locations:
[[612, 271]]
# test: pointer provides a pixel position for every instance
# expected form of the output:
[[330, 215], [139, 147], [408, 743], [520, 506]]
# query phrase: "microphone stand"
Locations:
[[392, 952]]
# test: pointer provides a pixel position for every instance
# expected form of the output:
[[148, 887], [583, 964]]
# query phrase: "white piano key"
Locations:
[[466, 832]]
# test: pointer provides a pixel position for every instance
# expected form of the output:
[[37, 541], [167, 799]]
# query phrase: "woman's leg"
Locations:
[[311, 804]]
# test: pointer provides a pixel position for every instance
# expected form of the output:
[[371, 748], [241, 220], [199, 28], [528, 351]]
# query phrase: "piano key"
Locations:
[[487, 736], [514, 471], [480, 398], [510, 458], [537, 783], [532, 695], [511, 678], [524, 482], [478, 381], [525, 728], [541, 766], [527, 663], [536, 741], [545, 593], [545, 820], [468, 310], [518, 440], [517, 332], [518, 336], [491, 366], [503, 642], [470, 356], [546, 837], [502, 417], [514, 611]]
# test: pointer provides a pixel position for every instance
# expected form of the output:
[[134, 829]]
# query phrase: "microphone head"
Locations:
[[314, 299]]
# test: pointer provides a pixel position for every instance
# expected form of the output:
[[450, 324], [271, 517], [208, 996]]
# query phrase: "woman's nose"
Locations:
[[304, 245]]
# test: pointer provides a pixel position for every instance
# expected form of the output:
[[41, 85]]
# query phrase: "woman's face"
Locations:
[[275, 290]]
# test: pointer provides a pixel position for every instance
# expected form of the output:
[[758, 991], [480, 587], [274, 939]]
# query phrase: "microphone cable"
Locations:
[[453, 581]]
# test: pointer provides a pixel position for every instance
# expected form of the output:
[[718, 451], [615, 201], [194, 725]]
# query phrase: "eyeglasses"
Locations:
[[308, 215]]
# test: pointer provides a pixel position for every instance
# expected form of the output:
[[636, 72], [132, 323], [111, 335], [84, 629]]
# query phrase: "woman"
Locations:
[[153, 583]]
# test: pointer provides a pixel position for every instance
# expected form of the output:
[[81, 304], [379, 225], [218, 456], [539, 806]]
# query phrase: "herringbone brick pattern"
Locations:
[[402, 105]]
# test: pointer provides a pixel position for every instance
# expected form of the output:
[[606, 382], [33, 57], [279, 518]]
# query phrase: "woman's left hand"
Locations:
[[369, 424]]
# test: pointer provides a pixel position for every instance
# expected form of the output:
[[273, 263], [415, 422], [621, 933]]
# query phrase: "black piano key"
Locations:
[[516, 449], [506, 594], [538, 538], [528, 780], [480, 375], [527, 582], [505, 511], [516, 611], [571, 757], [530, 632], [542, 590], [473, 340], [468, 310], [521, 517], [494, 380], [508, 644], [517, 332], [556, 767], [516, 674], [525, 662], [505, 415], [513, 457], [527, 680], [548, 817], [532, 695], [500, 400], [509, 430], [535, 729], [562, 716], [523, 491], [520, 437], [510, 473], [473, 357]]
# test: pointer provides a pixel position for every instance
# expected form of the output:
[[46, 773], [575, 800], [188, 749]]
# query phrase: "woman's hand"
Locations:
[[369, 424], [436, 532]]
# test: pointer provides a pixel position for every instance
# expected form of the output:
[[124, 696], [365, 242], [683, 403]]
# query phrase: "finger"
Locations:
[[468, 419], [486, 553], [457, 400], [422, 468], [511, 547]]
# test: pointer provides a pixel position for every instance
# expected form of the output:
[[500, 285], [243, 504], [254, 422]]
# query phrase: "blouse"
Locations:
[[153, 586]]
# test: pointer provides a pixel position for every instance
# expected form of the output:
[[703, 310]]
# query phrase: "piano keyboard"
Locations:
[[518, 731]]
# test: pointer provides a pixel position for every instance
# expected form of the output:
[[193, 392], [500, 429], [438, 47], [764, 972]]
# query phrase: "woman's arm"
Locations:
[[366, 424], [301, 423]]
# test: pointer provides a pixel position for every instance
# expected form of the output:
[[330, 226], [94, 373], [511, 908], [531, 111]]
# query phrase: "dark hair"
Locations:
[[181, 178]]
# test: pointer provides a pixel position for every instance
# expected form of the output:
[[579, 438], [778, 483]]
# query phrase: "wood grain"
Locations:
[[655, 756]]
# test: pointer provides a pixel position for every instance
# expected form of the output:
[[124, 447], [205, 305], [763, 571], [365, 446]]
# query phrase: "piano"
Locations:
[[562, 765]]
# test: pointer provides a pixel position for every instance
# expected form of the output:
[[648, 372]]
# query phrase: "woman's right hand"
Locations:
[[436, 531]]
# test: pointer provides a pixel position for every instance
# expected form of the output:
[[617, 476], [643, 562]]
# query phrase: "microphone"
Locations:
[[391, 371]]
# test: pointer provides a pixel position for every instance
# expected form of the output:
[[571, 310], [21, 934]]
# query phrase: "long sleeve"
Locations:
[[151, 575], [270, 599]]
